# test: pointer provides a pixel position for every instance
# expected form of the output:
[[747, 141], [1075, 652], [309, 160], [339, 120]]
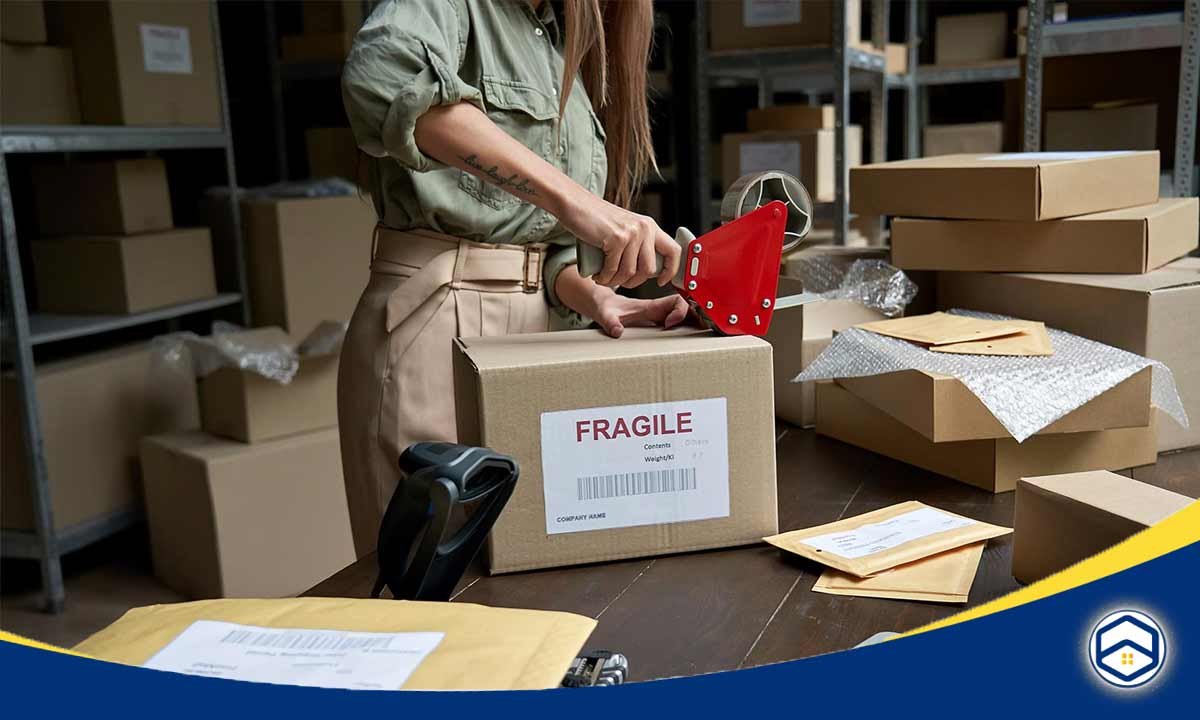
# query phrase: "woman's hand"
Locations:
[[613, 312], [630, 241]]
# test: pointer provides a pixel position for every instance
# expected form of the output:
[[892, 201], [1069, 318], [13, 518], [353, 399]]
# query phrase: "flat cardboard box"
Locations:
[[943, 409], [93, 411], [1012, 186], [245, 406], [39, 85], [1153, 315], [1063, 519], [307, 259], [1132, 240], [123, 274], [322, 16], [141, 63], [754, 24], [316, 47], [22, 21], [806, 154], [973, 38], [993, 465], [108, 197], [332, 152], [786, 118], [1107, 127], [559, 401], [234, 520], [982, 137]]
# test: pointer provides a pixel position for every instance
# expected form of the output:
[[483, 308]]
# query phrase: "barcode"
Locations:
[[597, 487], [297, 640]]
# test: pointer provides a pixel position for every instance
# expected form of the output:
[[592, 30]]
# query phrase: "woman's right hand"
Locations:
[[631, 242]]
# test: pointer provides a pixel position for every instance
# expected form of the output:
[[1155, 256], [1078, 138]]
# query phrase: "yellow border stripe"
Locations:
[[6, 636]]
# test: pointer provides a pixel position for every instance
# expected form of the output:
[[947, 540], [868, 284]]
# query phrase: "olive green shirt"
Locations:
[[500, 55]]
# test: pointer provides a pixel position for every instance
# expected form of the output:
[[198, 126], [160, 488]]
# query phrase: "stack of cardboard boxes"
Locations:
[[39, 79]]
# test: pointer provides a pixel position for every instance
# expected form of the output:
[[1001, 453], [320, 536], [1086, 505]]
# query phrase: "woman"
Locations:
[[487, 129]]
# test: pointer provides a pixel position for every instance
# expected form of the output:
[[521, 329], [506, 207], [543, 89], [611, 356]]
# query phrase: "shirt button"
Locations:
[[537, 31], [562, 149]]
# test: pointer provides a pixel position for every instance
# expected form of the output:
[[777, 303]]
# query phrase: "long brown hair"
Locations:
[[608, 45]]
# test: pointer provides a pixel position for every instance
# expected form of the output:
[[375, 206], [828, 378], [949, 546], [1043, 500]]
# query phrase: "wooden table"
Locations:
[[725, 609]]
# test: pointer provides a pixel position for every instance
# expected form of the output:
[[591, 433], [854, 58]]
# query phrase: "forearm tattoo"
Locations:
[[513, 183]]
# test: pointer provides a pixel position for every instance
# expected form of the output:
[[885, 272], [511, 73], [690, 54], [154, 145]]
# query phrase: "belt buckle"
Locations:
[[531, 276]]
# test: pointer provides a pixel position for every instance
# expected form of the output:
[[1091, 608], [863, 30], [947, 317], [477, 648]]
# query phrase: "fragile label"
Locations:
[[314, 658], [755, 157], [884, 535], [762, 13], [166, 49], [613, 467]]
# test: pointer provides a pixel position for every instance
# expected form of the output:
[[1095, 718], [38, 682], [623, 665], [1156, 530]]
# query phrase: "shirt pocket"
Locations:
[[527, 114]]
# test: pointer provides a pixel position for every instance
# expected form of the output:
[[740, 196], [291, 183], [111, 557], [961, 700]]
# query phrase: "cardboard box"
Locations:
[[234, 520], [307, 259], [838, 256], [1012, 186], [123, 274], [39, 85], [983, 137], [94, 409], [755, 24], [942, 409], [806, 154], [141, 63], [798, 335], [1133, 240], [786, 118], [966, 39], [896, 58], [332, 152], [108, 197], [596, 425], [1063, 519], [993, 465], [22, 21], [316, 47], [322, 16], [1152, 315], [1105, 127], [248, 407]]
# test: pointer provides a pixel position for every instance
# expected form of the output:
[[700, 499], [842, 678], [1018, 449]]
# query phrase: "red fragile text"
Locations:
[[640, 426]]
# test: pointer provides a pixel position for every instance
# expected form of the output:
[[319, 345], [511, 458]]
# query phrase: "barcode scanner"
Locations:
[[417, 561]]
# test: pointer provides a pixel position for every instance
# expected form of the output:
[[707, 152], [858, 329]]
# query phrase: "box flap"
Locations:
[[1114, 494], [1030, 160], [1170, 276]]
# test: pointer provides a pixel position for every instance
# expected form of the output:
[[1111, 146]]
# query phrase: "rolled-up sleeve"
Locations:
[[404, 61], [559, 259]]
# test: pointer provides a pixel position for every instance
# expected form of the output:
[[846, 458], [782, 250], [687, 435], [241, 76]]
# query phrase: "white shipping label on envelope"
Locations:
[[761, 13], [757, 157], [614, 467], [314, 658], [166, 49], [884, 535]]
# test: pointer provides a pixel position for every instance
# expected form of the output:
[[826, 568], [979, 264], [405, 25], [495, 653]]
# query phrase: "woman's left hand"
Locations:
[[613, 312]]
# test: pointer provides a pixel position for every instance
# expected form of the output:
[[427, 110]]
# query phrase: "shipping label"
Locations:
[[166, 49], [886, 534], [762, 13]]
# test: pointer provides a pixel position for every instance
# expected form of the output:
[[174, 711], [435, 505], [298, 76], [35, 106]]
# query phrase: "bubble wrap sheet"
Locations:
[[187, 353], [873, 283], [1024, 393]]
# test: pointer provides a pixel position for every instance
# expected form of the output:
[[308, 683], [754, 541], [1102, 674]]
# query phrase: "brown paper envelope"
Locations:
[[484, 648], [941, 328], [1032, 340], [945, 577], [864, 559]]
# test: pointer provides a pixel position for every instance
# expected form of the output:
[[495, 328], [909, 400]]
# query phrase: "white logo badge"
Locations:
[[1127, 648]]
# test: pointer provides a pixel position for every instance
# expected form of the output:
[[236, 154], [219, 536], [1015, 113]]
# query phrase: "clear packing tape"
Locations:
[[1024, 393], [264, 352], [873, 283]]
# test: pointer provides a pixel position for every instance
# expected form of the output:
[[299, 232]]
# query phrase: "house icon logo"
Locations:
[[1127, 648]]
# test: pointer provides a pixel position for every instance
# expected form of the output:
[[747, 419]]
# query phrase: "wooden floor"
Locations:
[[721, 610]]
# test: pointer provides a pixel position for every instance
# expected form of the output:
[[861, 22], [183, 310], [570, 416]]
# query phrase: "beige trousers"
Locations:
[[395, 382]]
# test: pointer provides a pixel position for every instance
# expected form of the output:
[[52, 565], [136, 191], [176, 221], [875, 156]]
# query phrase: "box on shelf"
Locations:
[[840, 256], [1106, 126], [1010, 186], [1063, 519], [756, 24], [22, 21], [615, 462], [94, 409], [39, 85], [806, 154], [943, 409], [332, 152], [785, 118], [330, 47], [307, 259], [994, 465], [324, 16], [896, 58], [234, 520], [1132, 240], [245, 406], [108, 197], [1152, 315], [981, 137], [141, 63], [973, 38]]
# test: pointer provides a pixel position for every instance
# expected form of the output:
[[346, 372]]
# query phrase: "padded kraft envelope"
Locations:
[[1032, 340], [882, 539], [941, 328], [945, 577]]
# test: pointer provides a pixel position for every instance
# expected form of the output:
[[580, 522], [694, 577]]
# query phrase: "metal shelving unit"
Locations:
[[1120, 34], [22, 330]]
